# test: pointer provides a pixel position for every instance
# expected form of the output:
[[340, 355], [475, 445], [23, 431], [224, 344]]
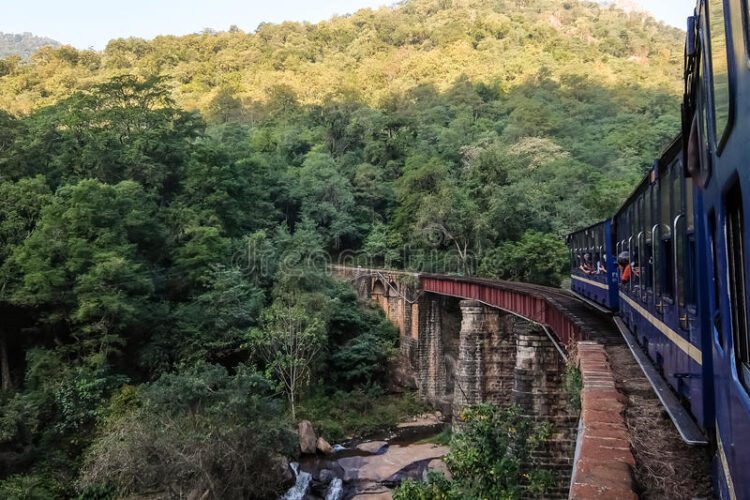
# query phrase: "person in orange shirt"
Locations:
[[623, 262]]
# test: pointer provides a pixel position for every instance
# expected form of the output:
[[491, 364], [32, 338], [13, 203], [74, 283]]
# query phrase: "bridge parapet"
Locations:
[[603, 456]]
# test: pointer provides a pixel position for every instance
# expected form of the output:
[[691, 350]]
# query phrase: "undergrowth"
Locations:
[[358, 413]]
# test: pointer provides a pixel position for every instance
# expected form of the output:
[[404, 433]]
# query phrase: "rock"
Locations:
[[338, 448], [437, 465], [323, 446], [325, 476], [426, 420], [373, 447], [380, 468], [379, 494], [199, 494], [281, 464], [308, 441]]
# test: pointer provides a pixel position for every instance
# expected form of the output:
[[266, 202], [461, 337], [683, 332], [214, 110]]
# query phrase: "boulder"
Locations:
[[437, 465], [308, 441], [377, 494], [373, 447], [281, 464], [325, 476], [323, 446], [386, 467]]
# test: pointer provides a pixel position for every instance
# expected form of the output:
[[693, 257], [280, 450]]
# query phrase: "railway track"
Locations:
[[666, 467]]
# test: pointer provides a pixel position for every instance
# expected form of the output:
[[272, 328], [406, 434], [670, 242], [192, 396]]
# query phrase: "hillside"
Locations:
[[374, 54], [166, 205], [23, 45]]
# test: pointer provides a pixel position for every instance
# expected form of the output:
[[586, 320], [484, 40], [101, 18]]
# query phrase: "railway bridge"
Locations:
[[465, 341]]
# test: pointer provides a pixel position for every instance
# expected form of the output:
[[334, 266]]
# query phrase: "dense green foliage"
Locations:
[[167, 208], [486, 459], [340, 415]]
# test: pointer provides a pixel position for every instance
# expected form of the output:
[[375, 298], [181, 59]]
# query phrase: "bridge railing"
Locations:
[[549, 307]]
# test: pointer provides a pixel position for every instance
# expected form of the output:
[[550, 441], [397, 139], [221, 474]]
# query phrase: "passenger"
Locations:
[[623, 262], [601, 265], [587, 267]]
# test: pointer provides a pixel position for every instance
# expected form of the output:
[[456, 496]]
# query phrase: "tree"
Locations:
[[451, 217], [535, 258], [84, 265], [289, 340], [20, 205], [224, 181], [126, 128], [383, 247], [325, 198], [214, 323]]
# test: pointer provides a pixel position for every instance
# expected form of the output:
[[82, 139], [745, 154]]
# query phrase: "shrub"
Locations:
[[196, 431], [342, 414], [488, 459], [573, 386], [29, 487]]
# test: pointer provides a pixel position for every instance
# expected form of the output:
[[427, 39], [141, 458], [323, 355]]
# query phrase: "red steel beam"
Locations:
[[531, 305]]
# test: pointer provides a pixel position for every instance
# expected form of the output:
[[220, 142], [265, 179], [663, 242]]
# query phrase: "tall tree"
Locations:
[[289, 341]]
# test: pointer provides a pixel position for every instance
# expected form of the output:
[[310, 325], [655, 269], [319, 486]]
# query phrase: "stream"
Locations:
[[368, 468]]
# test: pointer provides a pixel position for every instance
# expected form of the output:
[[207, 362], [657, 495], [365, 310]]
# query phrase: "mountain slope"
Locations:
[[375, 54], [23, 44]]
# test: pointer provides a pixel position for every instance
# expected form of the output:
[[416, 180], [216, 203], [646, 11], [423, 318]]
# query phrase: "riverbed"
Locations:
[[370, 469]]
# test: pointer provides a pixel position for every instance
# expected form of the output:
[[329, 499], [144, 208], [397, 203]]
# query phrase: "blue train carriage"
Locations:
[[656, 240], [593, 267], [716, 118]]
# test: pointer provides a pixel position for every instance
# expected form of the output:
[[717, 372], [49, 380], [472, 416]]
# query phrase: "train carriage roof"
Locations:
[[583, 229]]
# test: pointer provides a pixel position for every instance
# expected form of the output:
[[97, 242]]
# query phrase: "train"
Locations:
[[670, 265]]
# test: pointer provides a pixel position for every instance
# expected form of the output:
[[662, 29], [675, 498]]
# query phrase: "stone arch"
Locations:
[[393, 289], [378, 289]]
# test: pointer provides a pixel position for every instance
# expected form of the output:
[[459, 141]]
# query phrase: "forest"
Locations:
[[168, 208]]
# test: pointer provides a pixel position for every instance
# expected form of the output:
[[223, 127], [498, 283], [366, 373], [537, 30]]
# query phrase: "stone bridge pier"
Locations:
[[458, 353]]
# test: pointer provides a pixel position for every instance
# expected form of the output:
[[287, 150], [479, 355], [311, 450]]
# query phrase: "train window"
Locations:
[[647, 255], [665, 200], [715, 278], [737, 292], [647, 214], [664, 254], [688, 270], [719, 61], [667, 267], [689, 207], [681, 253], [677, 192], [638, 250]]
